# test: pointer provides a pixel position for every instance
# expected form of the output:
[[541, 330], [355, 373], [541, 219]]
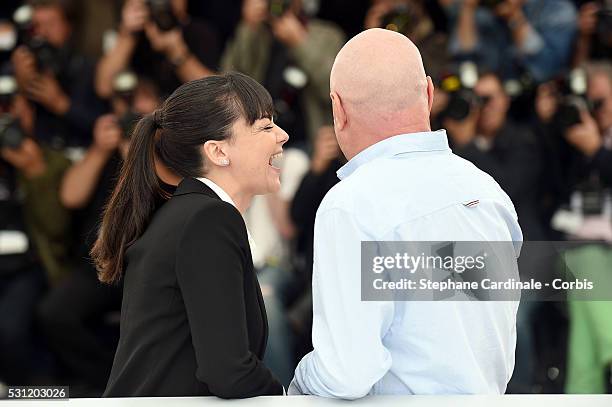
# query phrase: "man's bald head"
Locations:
[[378, 78]]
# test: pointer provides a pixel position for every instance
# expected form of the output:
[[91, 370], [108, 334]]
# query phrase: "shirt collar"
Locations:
[[403, 143], [218, 190], [224, 196]]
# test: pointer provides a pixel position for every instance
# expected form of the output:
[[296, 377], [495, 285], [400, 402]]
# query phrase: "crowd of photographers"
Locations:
[[523, 88]]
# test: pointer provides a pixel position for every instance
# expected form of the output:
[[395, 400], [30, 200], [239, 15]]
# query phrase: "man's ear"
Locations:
[[215, 153], [340, 118], [430, 92]]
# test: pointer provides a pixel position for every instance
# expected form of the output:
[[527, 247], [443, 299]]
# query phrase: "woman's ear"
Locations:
[[215, 153]]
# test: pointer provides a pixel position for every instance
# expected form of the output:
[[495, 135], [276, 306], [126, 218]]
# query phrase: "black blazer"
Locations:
[[193, 321]]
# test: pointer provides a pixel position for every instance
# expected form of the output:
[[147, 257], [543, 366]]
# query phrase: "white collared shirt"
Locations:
[[409, 187], [225, 197]]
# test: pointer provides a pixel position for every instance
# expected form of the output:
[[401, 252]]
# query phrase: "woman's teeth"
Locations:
[[275, 160]]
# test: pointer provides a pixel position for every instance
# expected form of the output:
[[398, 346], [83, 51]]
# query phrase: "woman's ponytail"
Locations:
[[132, 202]]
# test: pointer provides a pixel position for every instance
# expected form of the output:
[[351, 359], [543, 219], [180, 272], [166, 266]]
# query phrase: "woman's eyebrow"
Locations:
[[264, 125]]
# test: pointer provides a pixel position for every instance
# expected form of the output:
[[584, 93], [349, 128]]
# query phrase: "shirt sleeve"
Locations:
[[349, 355], [210, 270]]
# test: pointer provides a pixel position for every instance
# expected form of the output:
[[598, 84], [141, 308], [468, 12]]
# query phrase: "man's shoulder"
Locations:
[[417, 184], [479, 181], [337, 197]]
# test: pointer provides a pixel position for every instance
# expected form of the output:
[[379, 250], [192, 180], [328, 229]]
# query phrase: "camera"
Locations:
[[279, 7], [572, 99], [460, 88], [124, 87], [48, 57], [162, 14], [11, 134]]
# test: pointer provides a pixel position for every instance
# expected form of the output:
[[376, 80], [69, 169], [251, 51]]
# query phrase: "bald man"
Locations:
[[401, 183]]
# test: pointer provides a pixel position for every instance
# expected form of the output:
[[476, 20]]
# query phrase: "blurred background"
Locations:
[[523, 88]]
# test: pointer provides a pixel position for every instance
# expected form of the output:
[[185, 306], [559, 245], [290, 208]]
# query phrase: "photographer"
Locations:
[[502, 148], [514, 36], [34, 229], [593, 136], [587, 217], [67, 311], [57, 80], [159, 41], [291, 55]]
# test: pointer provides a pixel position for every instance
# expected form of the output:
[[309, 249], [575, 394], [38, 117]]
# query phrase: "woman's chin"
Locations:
[[274, 184], [274, 180], [274, 188]]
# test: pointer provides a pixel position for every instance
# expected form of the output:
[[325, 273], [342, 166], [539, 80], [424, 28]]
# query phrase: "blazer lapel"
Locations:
[[193, 186]]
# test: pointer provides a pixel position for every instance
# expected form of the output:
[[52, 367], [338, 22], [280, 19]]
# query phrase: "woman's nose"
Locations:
[[282, 136]]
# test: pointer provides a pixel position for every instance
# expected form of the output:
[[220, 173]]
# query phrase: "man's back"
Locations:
[[406, 188]]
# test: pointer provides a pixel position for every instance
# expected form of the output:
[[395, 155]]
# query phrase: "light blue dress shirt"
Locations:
[[408, 187]]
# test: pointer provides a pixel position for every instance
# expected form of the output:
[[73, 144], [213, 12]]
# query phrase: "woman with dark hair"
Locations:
[[193, 321]]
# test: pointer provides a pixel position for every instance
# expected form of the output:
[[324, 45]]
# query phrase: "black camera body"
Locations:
[[48, 57], [162, 14], [461, 102], [279, 7], [460, 88], [572, 100]]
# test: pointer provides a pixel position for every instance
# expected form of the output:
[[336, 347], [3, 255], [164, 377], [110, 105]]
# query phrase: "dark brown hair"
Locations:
[[198, 111], [72, 9]]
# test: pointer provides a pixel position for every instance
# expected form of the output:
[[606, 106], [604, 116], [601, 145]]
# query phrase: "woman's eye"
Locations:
[[268, 128]]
